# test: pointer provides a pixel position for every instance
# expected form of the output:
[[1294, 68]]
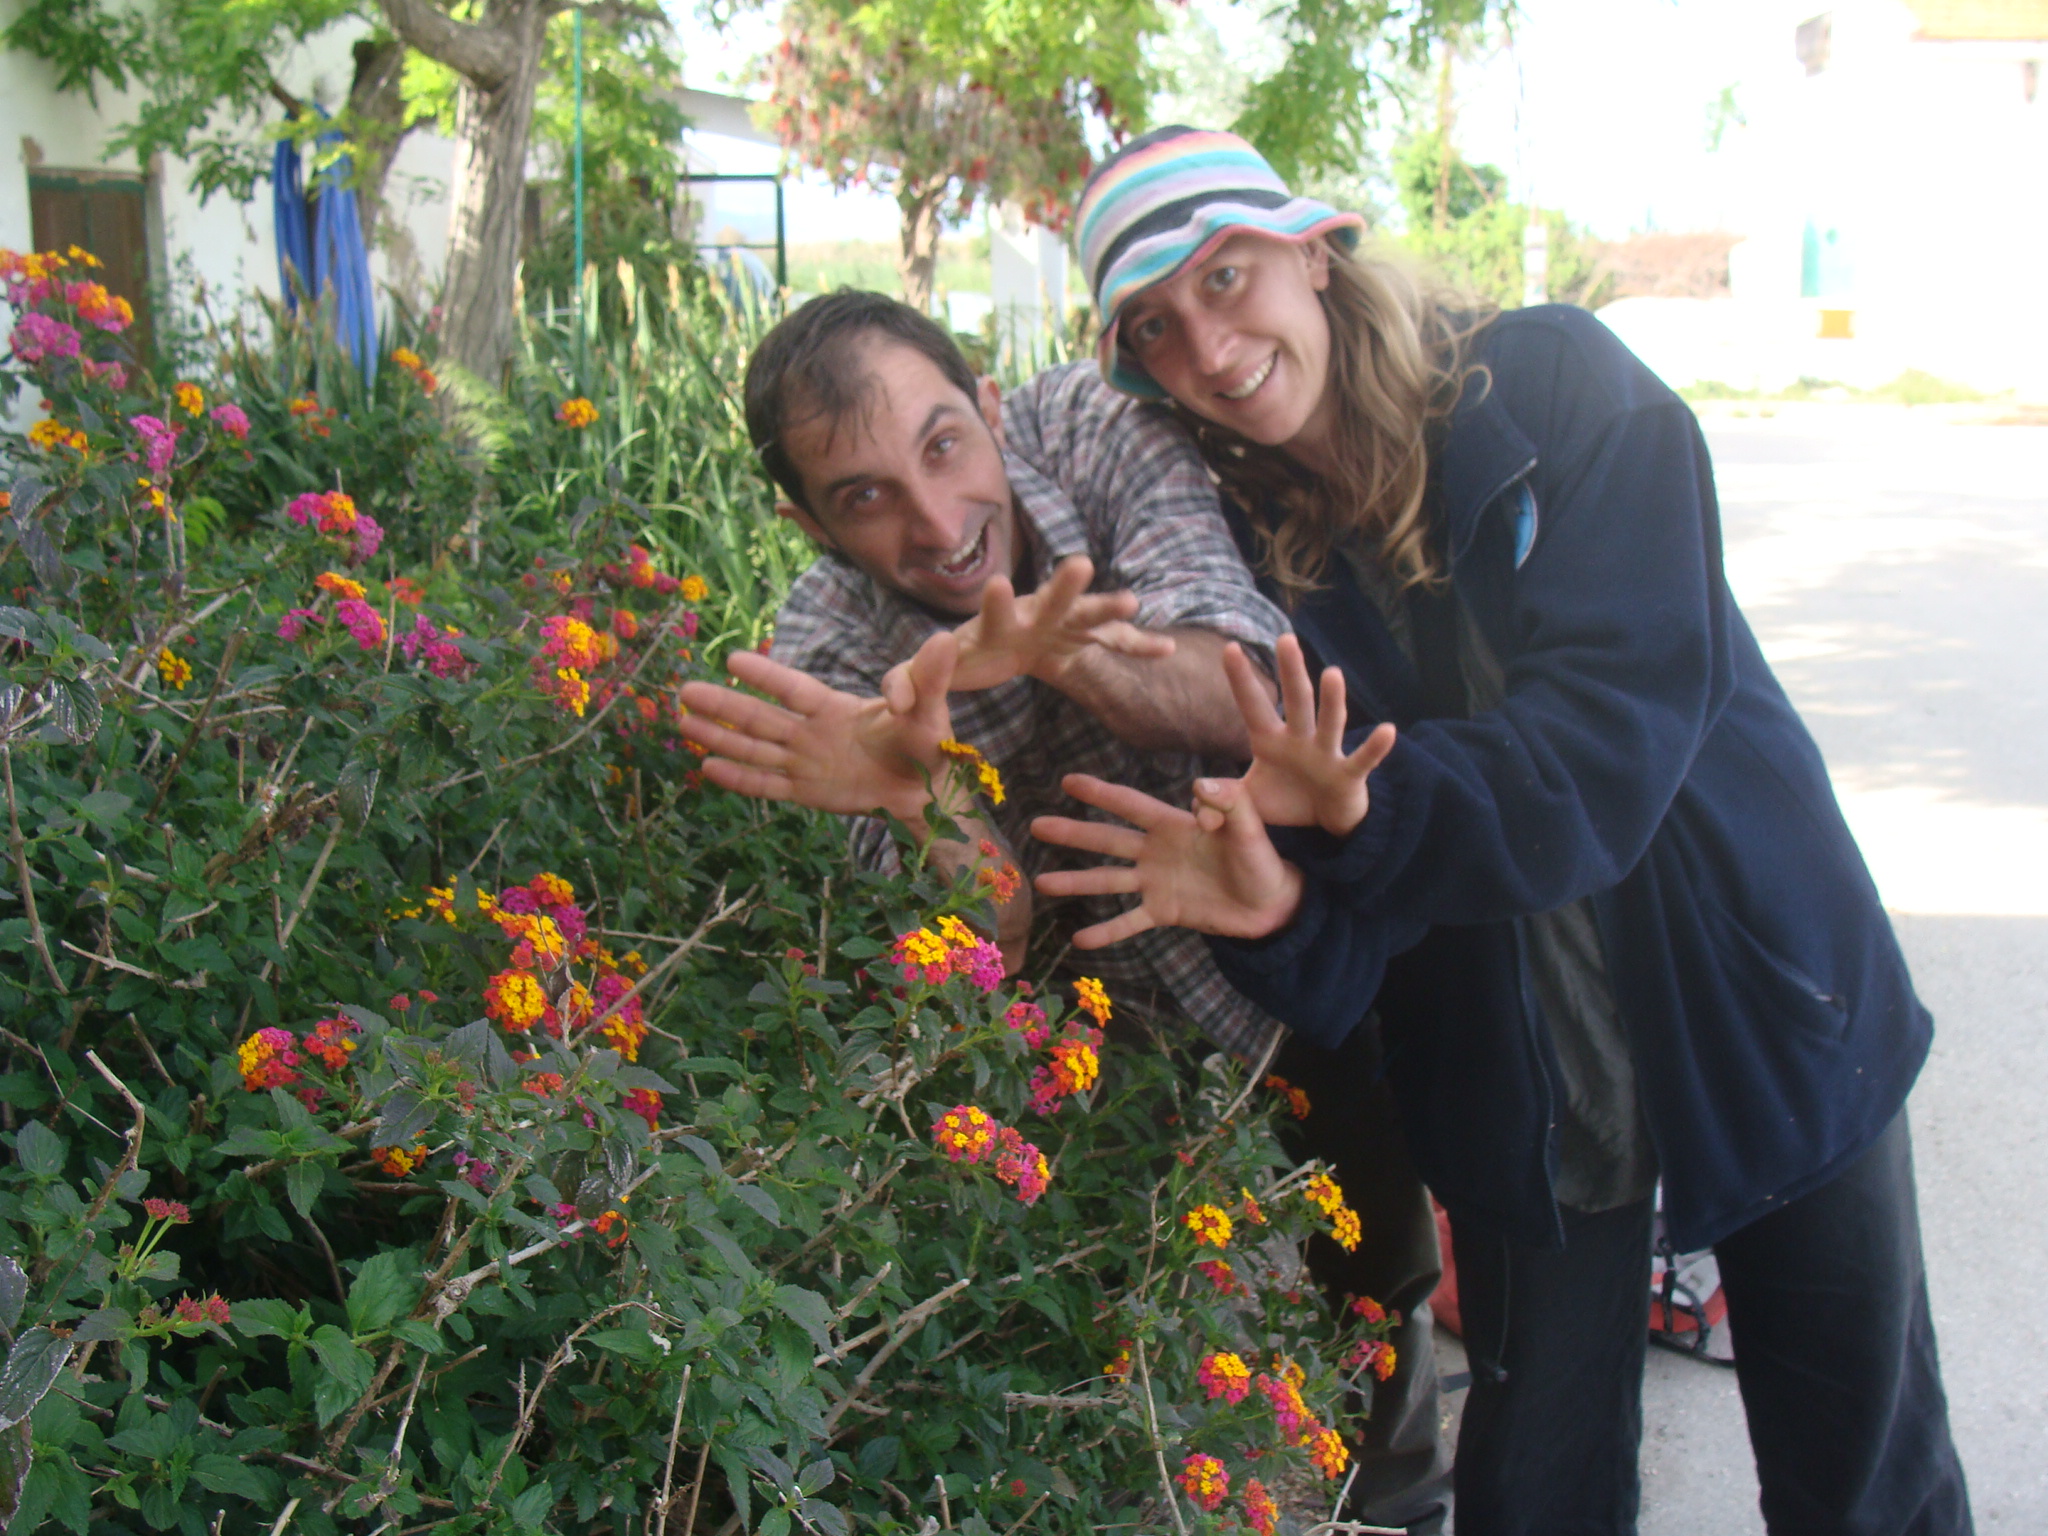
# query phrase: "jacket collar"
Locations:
[[1481, 454]]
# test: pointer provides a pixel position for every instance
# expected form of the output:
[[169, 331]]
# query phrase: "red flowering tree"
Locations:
[[945, 106]]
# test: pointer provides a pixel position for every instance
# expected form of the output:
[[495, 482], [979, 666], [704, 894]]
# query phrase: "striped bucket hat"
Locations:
[[1170, 197]]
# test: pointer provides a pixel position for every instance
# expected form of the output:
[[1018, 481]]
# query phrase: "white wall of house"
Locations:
[[1923, 167], [227, 245]]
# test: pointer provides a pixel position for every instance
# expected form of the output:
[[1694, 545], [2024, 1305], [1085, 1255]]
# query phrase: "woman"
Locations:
[[1600, 895]]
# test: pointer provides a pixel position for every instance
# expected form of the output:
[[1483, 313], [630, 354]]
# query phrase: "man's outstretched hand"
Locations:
[[1043, 634], [1225, 879], [819, 747], [1300, 773]]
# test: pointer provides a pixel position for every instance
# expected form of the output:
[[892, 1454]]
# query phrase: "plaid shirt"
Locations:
[[1093, 473]]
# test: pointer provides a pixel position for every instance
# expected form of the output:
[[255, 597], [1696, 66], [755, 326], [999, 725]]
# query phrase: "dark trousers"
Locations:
[[1834, 1352], [1402, 1475]]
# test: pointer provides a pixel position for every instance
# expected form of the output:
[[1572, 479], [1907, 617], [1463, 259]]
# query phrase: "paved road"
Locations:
[[1895, 565]]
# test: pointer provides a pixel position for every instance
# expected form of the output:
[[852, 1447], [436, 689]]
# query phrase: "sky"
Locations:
[[1597, 107]]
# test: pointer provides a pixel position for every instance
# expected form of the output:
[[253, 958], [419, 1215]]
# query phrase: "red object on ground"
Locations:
[[1443, 1302]]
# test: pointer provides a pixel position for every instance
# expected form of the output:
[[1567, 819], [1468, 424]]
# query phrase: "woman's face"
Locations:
[[1242, 339]]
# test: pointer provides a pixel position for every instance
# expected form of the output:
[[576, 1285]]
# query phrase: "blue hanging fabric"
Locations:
[[340, 259], [288, 216]]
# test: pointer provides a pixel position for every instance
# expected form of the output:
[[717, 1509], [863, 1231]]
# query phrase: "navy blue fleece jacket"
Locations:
[[1644, 757]]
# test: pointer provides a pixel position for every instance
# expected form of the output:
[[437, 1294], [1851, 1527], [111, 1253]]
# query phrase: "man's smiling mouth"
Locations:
[[967, 558], [1245, 389]]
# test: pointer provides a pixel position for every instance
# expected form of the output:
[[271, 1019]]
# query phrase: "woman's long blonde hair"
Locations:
[[1397, 362]]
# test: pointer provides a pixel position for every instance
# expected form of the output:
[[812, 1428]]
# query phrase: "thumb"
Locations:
[[1215, 799], [899, 689], [930, 673]]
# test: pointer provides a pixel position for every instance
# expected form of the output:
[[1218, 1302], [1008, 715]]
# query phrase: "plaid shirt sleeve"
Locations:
[[1153, 518]]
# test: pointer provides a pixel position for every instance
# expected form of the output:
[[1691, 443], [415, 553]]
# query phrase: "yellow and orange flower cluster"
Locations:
[[576, 413], [399, 1161], [985, 774], [964, 1133], [949, 948], [1210, 1225], [410, 362], [49, 434], [190, 397], [172, 670], [1224, 1375], [968, 1134], [538, 986], [1297, 1098], [1093, 999], [1205, 1480], [1327, 1196]]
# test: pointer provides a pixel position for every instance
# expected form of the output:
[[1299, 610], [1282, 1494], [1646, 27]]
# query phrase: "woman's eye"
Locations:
[[1221, 279], [1144, 332]]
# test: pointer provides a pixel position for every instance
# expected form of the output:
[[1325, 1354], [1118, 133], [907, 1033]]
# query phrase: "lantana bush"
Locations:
[[432, 1107]]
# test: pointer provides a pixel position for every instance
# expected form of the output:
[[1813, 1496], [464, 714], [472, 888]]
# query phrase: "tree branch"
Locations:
[[482, 54]]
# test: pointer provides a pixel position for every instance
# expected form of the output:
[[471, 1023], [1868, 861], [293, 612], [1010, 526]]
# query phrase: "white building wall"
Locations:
[[229, 246]]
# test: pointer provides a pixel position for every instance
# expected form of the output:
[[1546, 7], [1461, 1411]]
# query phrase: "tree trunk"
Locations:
[[498, 59], [377, 105], [920, 259]]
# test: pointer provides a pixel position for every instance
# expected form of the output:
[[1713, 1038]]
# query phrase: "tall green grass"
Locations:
[[669, 449]]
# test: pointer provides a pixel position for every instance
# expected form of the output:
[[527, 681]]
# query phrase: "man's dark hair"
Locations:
[[810, 365]]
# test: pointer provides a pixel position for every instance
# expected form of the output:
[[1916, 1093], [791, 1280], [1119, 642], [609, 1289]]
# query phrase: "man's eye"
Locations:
[[942, 445], [865, 497]]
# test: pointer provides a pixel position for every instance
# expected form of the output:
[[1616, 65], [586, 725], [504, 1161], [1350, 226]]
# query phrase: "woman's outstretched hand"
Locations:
[[1226, 878], [1300, 773]]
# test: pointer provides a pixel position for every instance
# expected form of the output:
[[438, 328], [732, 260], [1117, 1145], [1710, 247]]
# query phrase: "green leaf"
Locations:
[[861, 947], [775, 1523], [106, 1323], [419, 1333], [228, 1474], [41, 1150], [17, 1455], [532, 1506], [816, 1476], [808, 1310], [103, 807], [268, 1318], [347, 1363], [406, 1117], [634, 1343], [302, 1183], [383, 1289], [356, 792], [32, 1365], [13, 1291]]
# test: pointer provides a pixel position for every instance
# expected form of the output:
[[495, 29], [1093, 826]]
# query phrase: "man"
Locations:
[[961, 535]]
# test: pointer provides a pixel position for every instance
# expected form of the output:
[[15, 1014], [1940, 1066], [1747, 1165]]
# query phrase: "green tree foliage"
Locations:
[[942, 106], [1312, 116], [205, 74], [1478, 245]]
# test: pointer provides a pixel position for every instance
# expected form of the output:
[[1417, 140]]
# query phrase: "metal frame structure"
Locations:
[[781, 246]]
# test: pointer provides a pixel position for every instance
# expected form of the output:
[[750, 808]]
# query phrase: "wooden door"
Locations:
[[105, 215]]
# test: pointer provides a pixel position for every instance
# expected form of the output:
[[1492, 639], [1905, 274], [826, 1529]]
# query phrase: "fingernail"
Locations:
[[1205, 786]]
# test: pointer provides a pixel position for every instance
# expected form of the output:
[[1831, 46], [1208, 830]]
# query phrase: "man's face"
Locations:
[[915, 494]]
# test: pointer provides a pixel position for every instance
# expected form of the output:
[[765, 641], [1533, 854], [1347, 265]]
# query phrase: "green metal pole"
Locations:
[[577, 26]]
